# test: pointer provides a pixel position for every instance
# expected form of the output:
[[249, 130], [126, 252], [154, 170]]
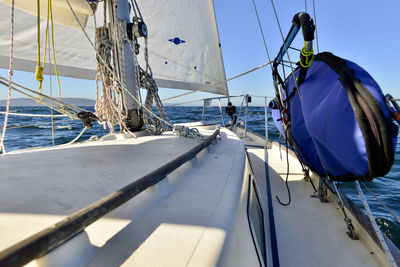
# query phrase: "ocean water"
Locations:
[[28, 132]]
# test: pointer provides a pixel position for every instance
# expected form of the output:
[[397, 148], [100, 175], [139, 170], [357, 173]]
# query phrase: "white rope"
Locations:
[[109, 104], [76, 138], [10, 74]]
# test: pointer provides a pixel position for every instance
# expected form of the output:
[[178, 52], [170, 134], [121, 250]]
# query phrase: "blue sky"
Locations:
[[365, 32]]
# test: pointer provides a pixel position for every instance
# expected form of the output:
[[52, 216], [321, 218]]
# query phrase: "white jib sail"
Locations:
[[184, 47]]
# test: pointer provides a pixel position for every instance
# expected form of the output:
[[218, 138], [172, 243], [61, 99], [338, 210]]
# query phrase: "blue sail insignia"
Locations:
[[177, 41]]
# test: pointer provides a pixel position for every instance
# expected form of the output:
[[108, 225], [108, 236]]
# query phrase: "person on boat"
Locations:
[[231, 110]]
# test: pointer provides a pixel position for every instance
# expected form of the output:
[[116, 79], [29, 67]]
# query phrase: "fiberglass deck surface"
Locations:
[[183, 220], [309, 233], [38, 188]]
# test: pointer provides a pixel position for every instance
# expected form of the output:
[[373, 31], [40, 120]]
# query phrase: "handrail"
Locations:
[[50, 238]]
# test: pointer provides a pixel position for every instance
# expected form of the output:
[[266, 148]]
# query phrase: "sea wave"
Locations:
[[59, 127]]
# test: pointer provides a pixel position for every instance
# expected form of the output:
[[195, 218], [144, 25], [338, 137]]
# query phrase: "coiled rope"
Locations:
[[114, 76], [145, 80], [109, 105], [194, 133], [111, 71], [154, 125], [308, 57]]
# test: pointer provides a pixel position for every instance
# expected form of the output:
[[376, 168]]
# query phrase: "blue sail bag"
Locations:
[[339, 124]]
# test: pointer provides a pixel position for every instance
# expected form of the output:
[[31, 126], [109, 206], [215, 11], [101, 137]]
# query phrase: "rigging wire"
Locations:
[[294, 48], [379, 233], [262, 33], [32, 115], [67, 109], [287, 52], [214, 98], [64, 104], [383, 204], [227, 80], [315, 23]]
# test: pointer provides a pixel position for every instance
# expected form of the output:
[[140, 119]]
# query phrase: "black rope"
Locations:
[[322, 178], [287, 176], [303, 166]]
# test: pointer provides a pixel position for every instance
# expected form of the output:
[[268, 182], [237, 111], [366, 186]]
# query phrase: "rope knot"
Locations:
[[306, 58], [39, 73]]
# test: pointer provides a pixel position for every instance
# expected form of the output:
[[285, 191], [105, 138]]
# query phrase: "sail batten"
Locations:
[[184, 49]]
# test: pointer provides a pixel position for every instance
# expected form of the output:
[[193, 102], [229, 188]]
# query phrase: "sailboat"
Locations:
[[195, 194]]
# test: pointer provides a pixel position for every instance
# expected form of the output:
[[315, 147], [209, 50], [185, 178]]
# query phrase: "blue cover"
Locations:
[[340, 125]]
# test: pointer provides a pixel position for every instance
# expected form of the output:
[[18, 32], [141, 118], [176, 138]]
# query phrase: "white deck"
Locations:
[[197, 216], [309, 232], [183, 220], [38, 188]]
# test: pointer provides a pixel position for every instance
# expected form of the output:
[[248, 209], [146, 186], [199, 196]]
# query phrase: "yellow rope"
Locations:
[[54, 51], [40, 69], [306, 54], [38, 29]]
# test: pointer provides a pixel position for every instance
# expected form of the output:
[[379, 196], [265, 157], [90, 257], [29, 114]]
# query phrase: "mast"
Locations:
[[127, 71]]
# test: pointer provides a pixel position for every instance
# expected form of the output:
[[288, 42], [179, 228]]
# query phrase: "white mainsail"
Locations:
[[184, 47]]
